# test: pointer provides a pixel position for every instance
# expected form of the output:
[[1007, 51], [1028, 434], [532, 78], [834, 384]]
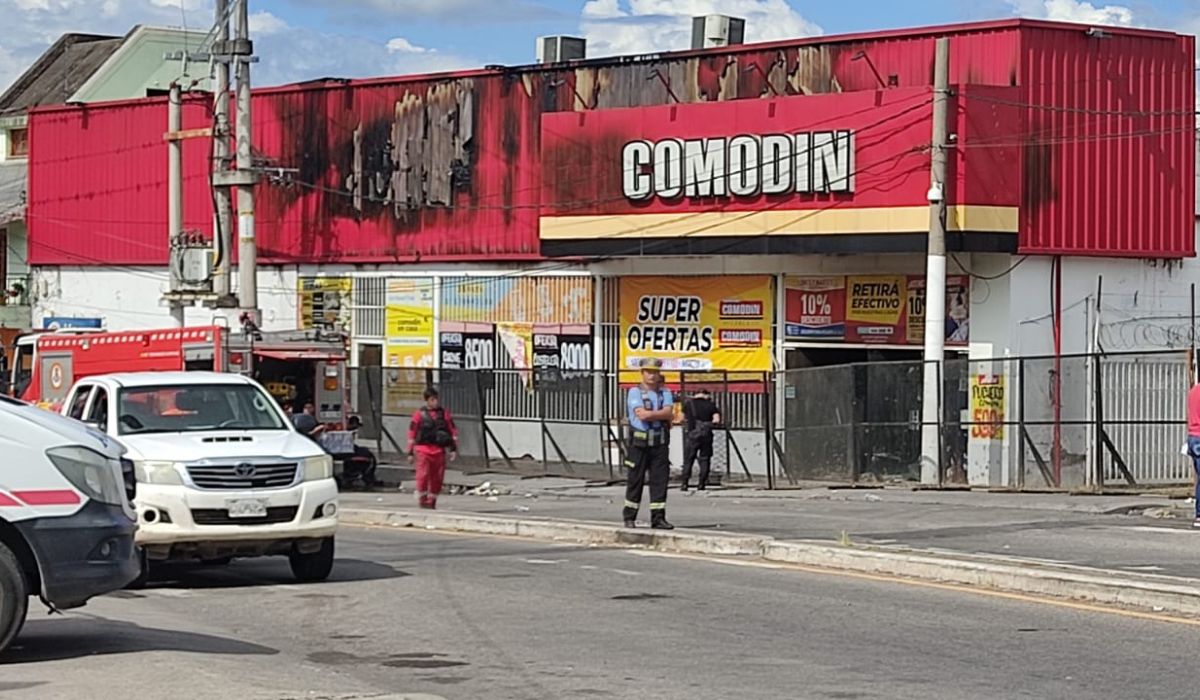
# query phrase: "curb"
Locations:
[[1151, 592]]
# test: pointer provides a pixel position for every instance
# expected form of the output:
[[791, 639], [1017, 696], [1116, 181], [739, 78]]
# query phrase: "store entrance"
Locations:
[[854, 414]]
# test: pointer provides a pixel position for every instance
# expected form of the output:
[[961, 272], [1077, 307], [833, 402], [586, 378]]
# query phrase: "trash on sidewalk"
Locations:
[[486, 489], [493, 499], [523, 509], [872, 498]]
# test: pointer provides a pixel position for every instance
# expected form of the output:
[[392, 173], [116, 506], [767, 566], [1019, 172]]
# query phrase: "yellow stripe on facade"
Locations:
[[879, 220]]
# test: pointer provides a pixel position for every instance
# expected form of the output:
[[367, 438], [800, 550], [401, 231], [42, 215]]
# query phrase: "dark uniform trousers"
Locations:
[[647, 463], [698, 450]]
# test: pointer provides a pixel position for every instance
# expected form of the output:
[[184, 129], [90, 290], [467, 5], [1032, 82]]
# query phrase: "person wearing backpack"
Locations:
[[431, 435], [701, 416]]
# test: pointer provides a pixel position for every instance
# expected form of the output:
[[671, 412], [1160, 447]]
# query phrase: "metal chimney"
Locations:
[[559, 48], [712, 31]]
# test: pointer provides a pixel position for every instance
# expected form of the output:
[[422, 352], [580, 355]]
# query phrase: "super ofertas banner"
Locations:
[[697, 323]]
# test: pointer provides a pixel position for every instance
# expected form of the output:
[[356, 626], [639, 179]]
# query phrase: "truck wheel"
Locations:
[[14, 597], [316, 566]]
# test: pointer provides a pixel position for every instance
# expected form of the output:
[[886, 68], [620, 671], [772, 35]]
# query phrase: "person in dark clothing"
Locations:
[[701, 417], [361, 464], [306, 422]]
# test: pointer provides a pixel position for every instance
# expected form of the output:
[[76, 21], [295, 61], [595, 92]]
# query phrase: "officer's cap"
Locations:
[[651, 364]]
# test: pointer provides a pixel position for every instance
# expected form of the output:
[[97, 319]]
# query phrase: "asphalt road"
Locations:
[[456, 617], [984, 526]]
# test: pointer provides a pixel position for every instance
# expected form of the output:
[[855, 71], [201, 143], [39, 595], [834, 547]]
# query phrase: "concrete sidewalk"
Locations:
[[1128, 541]]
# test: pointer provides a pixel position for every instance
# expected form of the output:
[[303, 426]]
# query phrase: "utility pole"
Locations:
[[223, 218], [935, 273], [243, 54], [175, 193]]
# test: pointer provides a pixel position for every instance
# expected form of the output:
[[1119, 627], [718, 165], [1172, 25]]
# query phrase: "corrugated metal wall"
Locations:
[[1109, 160], [447, 168]]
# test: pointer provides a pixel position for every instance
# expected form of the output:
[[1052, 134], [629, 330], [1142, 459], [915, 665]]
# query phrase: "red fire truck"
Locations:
[[303, 365]]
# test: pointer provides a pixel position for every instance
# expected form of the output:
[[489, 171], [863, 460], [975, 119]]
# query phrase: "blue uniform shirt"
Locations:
[[658, 400]]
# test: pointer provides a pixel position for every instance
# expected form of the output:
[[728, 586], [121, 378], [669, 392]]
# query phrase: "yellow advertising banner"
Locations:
[[409, 321], [876, 299], [697, 324], [324, 301], [987, 407]]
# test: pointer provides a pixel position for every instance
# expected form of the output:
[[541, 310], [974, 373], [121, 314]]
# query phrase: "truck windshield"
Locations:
[[196, 408]]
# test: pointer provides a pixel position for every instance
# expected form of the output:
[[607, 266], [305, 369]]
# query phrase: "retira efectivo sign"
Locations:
[[739, 166]]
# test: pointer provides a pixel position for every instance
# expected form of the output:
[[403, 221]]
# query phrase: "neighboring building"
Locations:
[[78, 68], [640, 202]]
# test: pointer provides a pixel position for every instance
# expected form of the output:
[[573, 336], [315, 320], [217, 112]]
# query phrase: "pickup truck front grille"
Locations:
[[216, 516], [244, 475]]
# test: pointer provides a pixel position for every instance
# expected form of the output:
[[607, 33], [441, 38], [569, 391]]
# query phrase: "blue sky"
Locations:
[[302, 39]]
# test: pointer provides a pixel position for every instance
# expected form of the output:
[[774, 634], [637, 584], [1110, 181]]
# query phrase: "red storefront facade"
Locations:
[[1066, 142]]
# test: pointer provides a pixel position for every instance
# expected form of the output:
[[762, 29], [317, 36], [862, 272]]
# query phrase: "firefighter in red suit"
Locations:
[[431, 435]]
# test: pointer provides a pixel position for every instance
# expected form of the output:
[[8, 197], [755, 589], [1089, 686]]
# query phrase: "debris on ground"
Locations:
[[523, 509], [486, 489], [872, 498], [493, 499]]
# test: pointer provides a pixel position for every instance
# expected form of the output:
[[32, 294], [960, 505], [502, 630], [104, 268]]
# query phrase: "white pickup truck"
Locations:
[[221, 473]]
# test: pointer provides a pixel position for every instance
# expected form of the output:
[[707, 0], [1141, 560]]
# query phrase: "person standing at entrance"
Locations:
[[431, 435], [650, 409], [1193, 442], [700, 416]]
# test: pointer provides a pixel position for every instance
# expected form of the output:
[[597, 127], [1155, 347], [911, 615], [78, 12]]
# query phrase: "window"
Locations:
[[18, 143], [97, 414], [197, 408], [80, 402]]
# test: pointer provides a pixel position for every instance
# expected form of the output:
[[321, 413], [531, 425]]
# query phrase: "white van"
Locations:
[[221, 472], [66, 525]]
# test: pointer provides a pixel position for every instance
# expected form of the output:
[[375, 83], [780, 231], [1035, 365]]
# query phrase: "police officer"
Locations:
[[650, 409], [701, 416]]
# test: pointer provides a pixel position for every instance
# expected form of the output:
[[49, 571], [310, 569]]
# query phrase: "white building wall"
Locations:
[[131, 298]]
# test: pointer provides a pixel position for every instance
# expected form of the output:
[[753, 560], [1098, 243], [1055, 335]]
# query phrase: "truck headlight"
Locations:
[[318, 468], [91, 472], [152, 472]]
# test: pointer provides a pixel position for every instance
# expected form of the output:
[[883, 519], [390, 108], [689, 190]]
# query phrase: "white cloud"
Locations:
[[460, 11], [1075, 11], [402, 45], [647, 26], [264, 24], [287, 53]]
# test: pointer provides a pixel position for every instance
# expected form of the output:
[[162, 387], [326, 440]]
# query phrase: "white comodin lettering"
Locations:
[[802, 160], [704, 168], [668, 168], [636, 183], [747, 165], [776, 164], [743, 166], [833, 161]]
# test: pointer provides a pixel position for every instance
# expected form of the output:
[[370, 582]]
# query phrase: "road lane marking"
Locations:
[[956, 588], [545, 562], [759, 564], [625, 572]]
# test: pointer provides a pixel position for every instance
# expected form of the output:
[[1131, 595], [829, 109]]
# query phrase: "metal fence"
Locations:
[[553, 422], [1092, 421]]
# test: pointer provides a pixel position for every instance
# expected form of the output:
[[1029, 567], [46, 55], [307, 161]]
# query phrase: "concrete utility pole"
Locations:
[[175, 192], [243, 50], [223, 228], [935, 273]]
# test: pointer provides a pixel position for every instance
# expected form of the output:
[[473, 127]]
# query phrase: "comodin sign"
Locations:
[[739, 166]]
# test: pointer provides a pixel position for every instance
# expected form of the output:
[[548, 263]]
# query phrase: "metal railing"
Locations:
[[1079, 421], [16, 291]]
